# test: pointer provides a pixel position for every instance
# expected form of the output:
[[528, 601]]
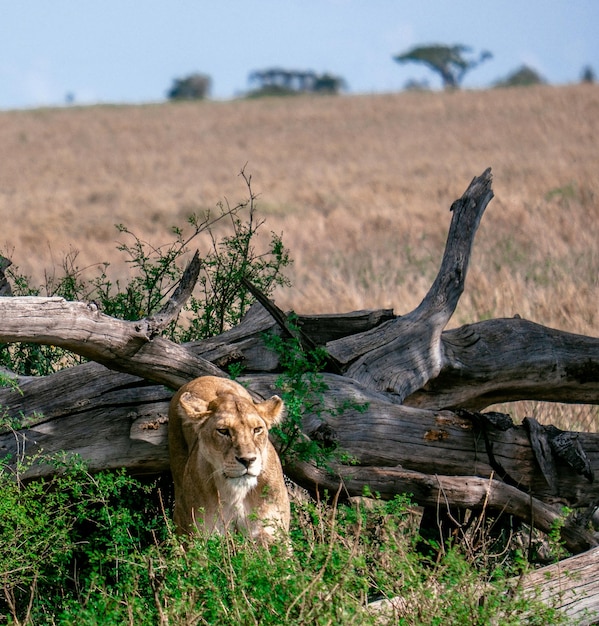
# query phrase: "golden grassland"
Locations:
[[360, 187]]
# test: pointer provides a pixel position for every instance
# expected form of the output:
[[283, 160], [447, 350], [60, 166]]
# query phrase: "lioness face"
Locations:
[[232, 434], [236, 435]]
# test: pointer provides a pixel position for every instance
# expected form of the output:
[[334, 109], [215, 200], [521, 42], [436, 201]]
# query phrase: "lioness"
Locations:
[[226, 471]]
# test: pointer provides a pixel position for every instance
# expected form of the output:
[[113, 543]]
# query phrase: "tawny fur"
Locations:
[[226, 472]]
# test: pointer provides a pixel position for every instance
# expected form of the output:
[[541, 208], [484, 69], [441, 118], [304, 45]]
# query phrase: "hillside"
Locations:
[[360, 186]]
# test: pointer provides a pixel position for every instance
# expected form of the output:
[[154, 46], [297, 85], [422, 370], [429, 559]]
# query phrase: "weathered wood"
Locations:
[[567, 446], [404, 354], [504, 360], [486, 363], [289, 328], [571, 585], [327, 327], [83, 329], [110, 412], [447, 492], [415, 379], [159, 321], [110, 419], [424, 441], [541, 448], [5, 288], [500, 360], [439, 442]]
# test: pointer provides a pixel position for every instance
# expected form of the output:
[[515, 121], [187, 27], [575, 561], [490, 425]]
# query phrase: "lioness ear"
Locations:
[[193, 406], [271, 410]]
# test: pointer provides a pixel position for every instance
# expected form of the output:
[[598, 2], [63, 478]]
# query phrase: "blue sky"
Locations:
[[127, 51]]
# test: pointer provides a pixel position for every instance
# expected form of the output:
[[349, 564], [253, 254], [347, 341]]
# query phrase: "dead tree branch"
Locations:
[[422, 386]]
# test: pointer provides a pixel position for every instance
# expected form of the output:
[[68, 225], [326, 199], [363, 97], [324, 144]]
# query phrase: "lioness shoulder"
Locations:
[[226, 471]]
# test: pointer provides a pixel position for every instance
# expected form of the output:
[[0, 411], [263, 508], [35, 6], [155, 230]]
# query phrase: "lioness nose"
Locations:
[[246, 461]]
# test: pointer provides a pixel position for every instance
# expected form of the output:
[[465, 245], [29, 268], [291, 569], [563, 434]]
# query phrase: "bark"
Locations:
[[405, 353], [81, 328], [115, 420], [571, 585], [504, 360]]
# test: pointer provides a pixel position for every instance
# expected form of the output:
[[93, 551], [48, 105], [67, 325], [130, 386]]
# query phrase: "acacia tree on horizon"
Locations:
[[447, 61]]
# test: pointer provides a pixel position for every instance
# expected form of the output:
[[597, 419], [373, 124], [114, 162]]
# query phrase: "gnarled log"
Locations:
[[422, 387], [404, 354]]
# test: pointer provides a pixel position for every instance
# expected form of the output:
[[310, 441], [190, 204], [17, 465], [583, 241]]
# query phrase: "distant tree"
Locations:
[[522, 77], [416, 85], [587, 75], [278, 81], [192, 87], [327, 83], [447, 61]]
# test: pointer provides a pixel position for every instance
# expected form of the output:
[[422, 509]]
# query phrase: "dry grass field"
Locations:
[[360, 187]]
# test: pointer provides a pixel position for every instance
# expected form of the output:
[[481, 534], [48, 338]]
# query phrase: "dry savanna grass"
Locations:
[[359, 186]]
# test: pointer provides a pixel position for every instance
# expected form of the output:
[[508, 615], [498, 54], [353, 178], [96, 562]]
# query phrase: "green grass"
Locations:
[[100, 549]]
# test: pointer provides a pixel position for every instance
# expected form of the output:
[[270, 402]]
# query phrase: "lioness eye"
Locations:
[[223, 431], [258, 430]]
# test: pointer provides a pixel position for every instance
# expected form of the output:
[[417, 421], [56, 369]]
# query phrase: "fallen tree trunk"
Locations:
[[423, 387], [81, 328], [98, 404], [572, 585]]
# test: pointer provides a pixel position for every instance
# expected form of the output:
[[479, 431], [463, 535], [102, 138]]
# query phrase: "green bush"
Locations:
[[522, 77], [97, 549], [59, 535], [303, 389], [220, 299], [193, 87]]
